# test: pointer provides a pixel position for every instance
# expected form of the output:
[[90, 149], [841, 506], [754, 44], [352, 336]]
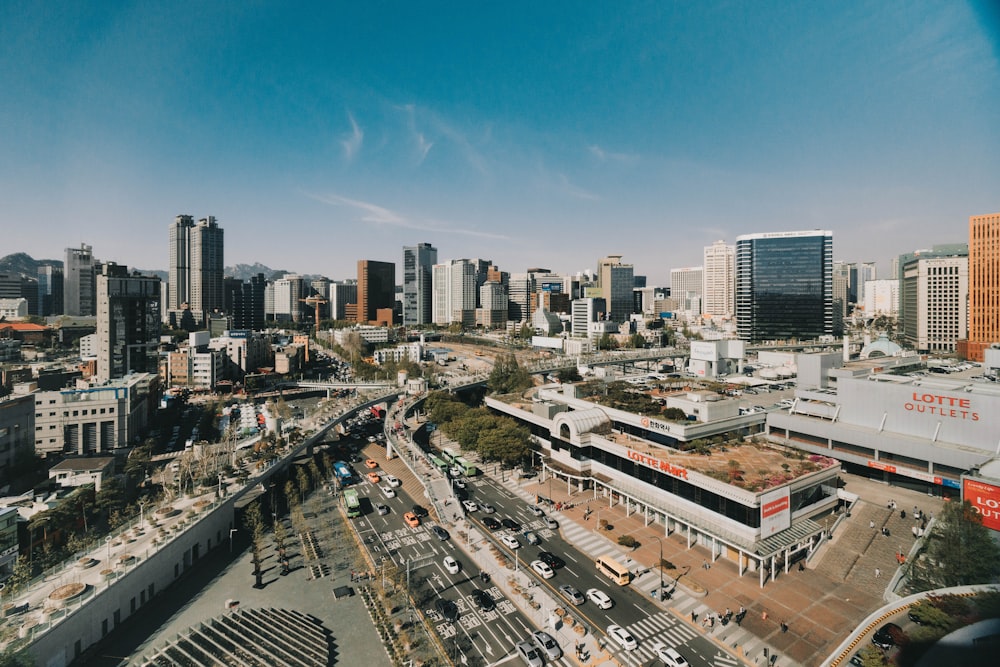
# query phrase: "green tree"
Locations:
[[606, 342], [254, 522], [961, 550], [20, 658], [636, 341], [507, 376], [568, 375]]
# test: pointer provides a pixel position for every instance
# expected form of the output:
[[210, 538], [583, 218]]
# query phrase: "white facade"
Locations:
[[686, 285], [409, 351], [719, 280], [342, 293], [88, 346], [369, 334], [13, 309], [287, 292], [937, 311], [882, 297], [454, 292]]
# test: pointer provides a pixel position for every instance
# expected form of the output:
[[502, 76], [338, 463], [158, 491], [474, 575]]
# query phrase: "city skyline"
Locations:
[[528, 135]]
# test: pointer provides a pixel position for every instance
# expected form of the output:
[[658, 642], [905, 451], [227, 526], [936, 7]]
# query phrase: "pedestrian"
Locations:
[[784, 626], [694, 617], [871, 524], [878, 573]]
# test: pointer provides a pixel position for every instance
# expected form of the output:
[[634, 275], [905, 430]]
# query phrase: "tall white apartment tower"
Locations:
[[196, 265], [719, 280], [454, 292]]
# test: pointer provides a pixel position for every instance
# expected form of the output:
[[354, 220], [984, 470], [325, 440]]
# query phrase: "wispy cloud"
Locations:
[[422, 143], [379, 215], [352, 141], [564, 185], [605, 156]]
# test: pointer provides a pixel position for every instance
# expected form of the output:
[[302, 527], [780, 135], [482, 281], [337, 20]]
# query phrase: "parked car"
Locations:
[[572, 594], [510, 541], [529, 654], [547, 644], [542, 569], [622, 637], [451, 565], [889, 635], [599, 597]]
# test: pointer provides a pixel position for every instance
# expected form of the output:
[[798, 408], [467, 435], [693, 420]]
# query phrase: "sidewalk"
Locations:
[[818, 605]]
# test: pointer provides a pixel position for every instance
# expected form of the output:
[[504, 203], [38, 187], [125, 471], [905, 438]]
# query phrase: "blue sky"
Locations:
[[534, 134]]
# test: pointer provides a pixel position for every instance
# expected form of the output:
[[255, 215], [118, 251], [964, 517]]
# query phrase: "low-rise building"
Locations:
[[78, 471]]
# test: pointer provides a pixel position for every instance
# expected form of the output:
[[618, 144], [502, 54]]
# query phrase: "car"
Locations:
[[389, 493], [536, 510], [669, 656], [371, 463], [374, 478], [542, 569], [529, 654], [451, 565], [381, 509], [491, 523], [411, 519], [459, 484], [551, 523], [599, 597], [487, 508], [470, 505], [441, 533], [393, 481], [572, 594], [510, 524], [483, 600], [510, 541], [456, 472], [889, 635], [547, 644], [550, 559], [532, 537], [447, 609], [418, 510], [622, 637]]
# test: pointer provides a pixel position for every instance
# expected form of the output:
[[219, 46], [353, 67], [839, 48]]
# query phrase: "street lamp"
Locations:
[[659, 563]]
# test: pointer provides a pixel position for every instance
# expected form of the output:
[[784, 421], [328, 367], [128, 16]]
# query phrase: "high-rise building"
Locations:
[[520, 287], [195, 274], [842, 272], [287, 291], [418, 262], [128, 322], [342, 292], [719, 280], [935, 292], [882, 298], [454, 292], [687, 285], [376, 289], [908, 304], [984, 286], [584, 312], [784, 285], [79, 281], [616, 281], [867, 272], [245, 301], [493, 312]]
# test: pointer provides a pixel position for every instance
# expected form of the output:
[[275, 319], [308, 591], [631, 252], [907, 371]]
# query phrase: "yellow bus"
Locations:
[[613, 570]]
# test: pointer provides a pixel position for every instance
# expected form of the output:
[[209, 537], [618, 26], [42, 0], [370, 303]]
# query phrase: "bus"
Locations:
[[449, 455], [613, 570], [442, 465], [468, 469], [343, 472], [352, 504]]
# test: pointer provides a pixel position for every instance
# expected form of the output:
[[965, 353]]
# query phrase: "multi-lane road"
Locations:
[[488, 636]]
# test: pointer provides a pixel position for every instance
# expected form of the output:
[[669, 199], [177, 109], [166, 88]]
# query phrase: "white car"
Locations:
[[542, 569], [469, 505], [529, 654], [389, 493], [622, 637], [487, 508], [599, 597], [546, 643], [669, 656], [392, 481], [536, 510], [451, 565], [510, 541]]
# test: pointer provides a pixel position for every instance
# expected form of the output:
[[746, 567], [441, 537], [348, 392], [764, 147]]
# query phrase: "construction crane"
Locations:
[[315, 301]]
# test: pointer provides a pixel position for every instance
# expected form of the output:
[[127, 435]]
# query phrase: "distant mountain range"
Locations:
[[25, 265]]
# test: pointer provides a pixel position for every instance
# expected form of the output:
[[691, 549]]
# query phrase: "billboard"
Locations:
[[775, 512], [704, 351], [985, 498]]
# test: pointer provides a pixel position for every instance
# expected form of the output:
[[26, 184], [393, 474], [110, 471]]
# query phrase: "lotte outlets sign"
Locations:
[[985, 498]]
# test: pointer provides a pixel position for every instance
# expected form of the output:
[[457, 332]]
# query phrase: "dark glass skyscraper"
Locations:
[[418, 261], [784, 285]]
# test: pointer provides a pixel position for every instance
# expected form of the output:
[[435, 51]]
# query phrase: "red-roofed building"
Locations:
[[26, 332]]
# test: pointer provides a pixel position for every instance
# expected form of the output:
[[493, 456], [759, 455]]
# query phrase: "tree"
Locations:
[[567, 375], [20, 658], [255, 524], [606, 342], [507, 376], [961, 550]]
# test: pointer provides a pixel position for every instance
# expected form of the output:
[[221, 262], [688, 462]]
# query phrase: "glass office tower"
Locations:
[[784, 285]]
